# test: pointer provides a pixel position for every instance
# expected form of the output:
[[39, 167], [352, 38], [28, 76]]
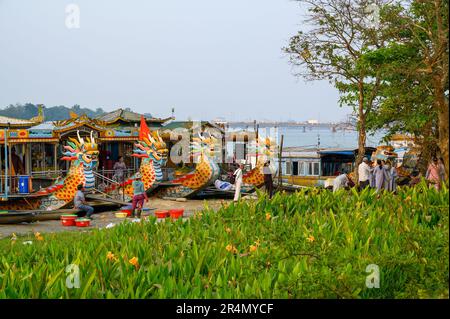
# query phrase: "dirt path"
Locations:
[[103, 219]]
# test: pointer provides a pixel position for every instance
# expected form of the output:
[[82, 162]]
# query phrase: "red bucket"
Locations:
[[176, 213], [68, 220], [162, 213], [82, 222]]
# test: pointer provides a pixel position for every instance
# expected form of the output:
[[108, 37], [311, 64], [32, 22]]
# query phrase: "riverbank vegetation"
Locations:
[[311, 244]]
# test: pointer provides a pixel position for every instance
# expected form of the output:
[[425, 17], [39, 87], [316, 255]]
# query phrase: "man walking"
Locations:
[[364, 173], [268, 181], [238, 182], [79, 202]]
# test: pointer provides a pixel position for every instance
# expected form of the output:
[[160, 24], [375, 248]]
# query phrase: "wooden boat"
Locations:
[[313, 168], [30, 216]]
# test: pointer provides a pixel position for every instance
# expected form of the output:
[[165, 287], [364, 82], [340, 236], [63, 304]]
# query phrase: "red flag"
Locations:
[[144, 130]]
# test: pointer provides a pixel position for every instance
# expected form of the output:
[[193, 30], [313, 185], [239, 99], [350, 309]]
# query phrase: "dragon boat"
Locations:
[[50, 202]]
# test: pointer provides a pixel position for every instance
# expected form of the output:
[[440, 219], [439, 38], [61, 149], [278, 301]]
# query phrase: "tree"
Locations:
[[332, 49], [405, 102], [427, 22], [414, 67]]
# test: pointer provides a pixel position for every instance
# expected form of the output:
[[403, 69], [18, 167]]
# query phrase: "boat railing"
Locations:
[[14, 185], [51, 174]]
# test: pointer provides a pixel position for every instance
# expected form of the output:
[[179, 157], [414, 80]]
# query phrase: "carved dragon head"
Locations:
[[152, 148], [205, 143], [265, 148], [80, 151]]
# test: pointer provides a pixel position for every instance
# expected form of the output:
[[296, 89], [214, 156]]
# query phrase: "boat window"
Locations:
[[312, 169], [301, 169], [288, 169], [316, 169], [294, 168]]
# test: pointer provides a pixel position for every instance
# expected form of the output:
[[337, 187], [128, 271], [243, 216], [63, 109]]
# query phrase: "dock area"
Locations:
[[102, 220]]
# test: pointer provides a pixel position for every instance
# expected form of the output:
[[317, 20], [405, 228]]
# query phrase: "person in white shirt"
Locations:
[[342, 181], [238, 182], [364, 173]]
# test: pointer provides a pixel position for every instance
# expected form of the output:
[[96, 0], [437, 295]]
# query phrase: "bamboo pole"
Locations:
[[280, 180], [257, 145], [6, 164]]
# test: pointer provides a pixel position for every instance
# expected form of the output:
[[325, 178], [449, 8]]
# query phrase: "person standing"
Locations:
[[387, 171], [364, 173], [139, 195], [434, 173], [380, 176], [119, 170], [17, 164], [79, 202], [268, 181], [238, 181], [391, 172], [372, 165]]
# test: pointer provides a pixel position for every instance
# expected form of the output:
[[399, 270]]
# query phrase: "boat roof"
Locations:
[[314, 153], [48, 125], [10, 121], [128, 116], [171, 125], [301, 154]]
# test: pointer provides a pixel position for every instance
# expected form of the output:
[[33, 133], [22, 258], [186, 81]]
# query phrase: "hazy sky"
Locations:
[[205, 58]]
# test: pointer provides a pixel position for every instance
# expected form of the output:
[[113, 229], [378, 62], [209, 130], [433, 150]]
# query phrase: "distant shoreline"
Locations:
[[330, 126]]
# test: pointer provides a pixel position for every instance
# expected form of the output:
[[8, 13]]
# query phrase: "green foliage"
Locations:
[[312, 244], [54, 113]]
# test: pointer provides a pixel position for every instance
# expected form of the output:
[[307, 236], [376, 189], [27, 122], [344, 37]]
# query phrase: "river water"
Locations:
[[310, 137]]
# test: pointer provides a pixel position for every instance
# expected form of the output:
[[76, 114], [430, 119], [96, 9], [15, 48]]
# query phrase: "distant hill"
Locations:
[[54, 113]]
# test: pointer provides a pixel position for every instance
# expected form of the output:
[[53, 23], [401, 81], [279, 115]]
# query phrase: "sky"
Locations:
[[205, 58]]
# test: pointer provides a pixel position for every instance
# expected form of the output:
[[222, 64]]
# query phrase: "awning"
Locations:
[[343, 153]]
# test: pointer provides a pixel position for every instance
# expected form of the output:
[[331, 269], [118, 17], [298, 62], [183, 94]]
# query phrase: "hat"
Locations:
[[137, 175], [365, 159]]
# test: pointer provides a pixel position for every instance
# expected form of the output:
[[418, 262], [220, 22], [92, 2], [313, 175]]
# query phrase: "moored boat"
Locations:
[[317, 167]]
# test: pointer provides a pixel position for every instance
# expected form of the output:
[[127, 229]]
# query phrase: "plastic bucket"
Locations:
[[82, 222], [176, 213], [162, 213], [24, 184], [68, 220]]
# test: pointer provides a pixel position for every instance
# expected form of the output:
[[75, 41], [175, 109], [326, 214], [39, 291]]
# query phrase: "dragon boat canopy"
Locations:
[[39, 144]]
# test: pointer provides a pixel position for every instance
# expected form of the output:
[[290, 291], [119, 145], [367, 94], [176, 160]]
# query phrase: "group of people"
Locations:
[[382, 175]]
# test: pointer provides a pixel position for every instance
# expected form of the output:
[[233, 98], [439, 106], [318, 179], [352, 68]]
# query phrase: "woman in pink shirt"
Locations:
[[434, 173]]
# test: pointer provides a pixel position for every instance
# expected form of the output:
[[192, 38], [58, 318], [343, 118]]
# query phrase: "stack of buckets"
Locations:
[[173, 213], [73, 220]]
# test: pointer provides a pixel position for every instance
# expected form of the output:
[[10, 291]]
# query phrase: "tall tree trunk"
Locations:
[[427, 145], [442, 108], [361, 131]]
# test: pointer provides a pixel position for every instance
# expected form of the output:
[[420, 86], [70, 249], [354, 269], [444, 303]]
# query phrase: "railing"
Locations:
[[104, 179], [110, 174], [49, 174], [103, 184]]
